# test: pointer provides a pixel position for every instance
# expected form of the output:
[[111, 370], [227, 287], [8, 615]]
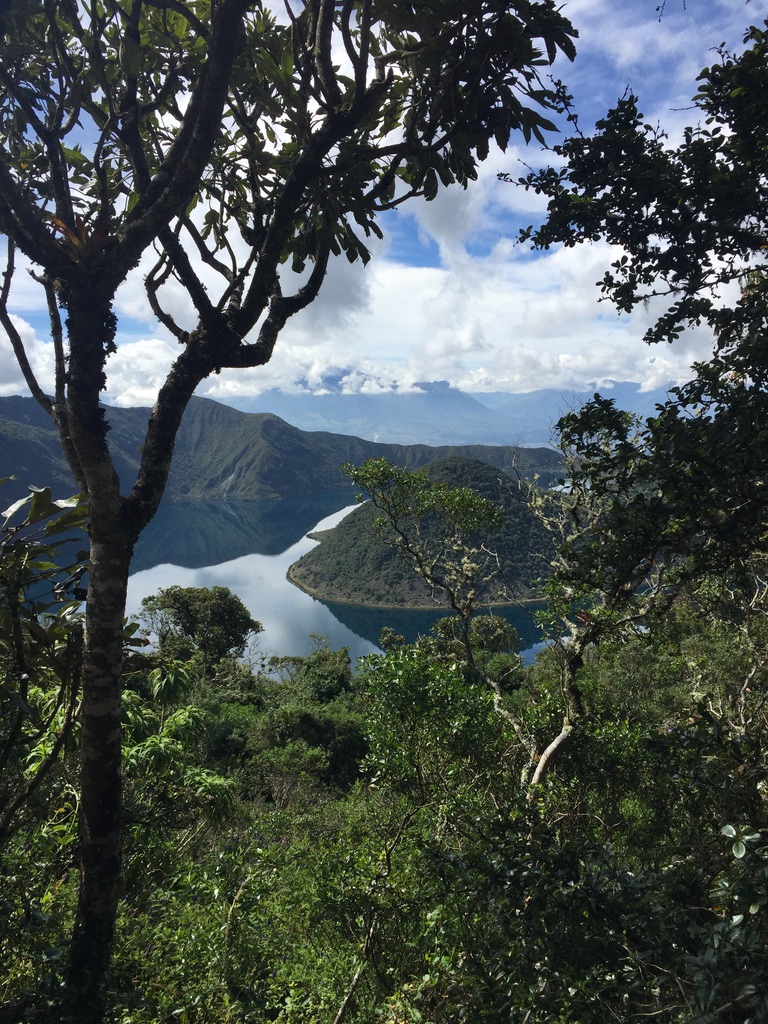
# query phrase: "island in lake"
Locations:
[[351, 564]]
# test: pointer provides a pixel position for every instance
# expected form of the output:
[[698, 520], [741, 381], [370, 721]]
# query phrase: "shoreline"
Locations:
[[434, 606]]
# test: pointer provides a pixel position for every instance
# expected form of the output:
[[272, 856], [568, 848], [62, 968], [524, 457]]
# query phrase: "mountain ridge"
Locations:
[[228, 455], [439, 414]]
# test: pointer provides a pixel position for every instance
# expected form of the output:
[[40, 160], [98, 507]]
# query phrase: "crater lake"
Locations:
[[248, 547]]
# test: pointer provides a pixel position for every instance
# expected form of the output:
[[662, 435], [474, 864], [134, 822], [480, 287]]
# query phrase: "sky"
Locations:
[[449, 294]]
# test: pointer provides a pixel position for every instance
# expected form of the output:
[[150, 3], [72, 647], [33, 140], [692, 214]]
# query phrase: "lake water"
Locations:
[[289, 616]]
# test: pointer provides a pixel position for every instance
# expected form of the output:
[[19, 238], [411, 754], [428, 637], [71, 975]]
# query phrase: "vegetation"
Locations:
[[357, 561], [442, 834], [306, 840], [691, 222], [223, 453], [209, 622], [212, 136]]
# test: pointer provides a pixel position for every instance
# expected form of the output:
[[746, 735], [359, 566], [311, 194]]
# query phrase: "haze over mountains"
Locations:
[[438, 414]]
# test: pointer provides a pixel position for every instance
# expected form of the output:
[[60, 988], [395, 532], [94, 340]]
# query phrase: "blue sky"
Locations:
[[449, 295]]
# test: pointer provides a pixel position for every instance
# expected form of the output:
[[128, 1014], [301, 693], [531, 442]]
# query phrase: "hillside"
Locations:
[[224, 454], [352, 565]]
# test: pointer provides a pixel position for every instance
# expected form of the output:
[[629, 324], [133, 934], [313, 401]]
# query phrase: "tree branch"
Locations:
[[178, 177], [15, 338]]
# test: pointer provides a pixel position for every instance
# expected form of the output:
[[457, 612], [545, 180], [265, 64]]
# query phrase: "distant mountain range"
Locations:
[[438, 414], [227, 456]]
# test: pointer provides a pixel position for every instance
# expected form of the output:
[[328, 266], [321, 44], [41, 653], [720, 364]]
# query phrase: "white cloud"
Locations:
[[39, 354], [506, 321], [449, 295], [137, 370]]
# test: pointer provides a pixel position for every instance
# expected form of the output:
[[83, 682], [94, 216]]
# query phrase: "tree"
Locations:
[[691, 222], [217, 145], [442, 532], [439, 529], [650, 507], [211, 621]]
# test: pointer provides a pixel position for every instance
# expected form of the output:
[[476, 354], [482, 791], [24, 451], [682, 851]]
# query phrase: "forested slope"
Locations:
[[352, 563], [224, 453]]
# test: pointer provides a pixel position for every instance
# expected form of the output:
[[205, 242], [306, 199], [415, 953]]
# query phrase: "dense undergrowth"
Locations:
[[310, 843]]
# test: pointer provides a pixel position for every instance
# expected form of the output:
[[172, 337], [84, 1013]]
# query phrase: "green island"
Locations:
[[354, 565]]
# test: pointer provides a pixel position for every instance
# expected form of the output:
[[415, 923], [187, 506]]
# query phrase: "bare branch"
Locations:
[[154, 280], [322, 52], [206, 255], [182, 268], [280, 309], [15, 338]]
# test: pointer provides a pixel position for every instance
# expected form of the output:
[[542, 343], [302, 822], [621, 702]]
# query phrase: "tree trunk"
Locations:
[[91, 328], [101, 768]]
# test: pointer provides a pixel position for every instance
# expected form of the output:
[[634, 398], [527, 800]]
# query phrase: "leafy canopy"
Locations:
[[691, 220], [234, 143], [682, 494], [211, 620]]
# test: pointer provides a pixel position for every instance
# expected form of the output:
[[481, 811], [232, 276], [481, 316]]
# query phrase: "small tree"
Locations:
[[209, 621], [439, 529], [218, 147]]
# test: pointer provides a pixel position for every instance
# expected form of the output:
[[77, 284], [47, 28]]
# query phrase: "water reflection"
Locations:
[[186, 537], [201, 533], [411, 623]]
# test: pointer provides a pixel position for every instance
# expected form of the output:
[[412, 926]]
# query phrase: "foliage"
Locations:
[[211, 622], [434, 887], [691, 222], [224, 147], [172, 802], [359, 562], [646, 510], [40, 641]]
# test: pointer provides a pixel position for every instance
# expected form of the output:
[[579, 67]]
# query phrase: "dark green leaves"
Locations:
[[210, 622]]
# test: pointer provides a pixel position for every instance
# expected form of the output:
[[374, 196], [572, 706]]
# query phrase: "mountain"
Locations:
[[438, 414], [351, 564], [536, 412], [226, 455]]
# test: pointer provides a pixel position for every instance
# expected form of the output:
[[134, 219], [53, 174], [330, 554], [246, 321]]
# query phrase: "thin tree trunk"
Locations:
[[101, 770], [101, 775]]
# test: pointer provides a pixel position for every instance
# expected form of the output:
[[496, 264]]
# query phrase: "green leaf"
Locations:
[[14, 508], [131, 56]]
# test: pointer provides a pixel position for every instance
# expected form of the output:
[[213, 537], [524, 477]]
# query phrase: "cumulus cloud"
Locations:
[[137, 370], [39, 354], [449, 294], [506, 321]]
